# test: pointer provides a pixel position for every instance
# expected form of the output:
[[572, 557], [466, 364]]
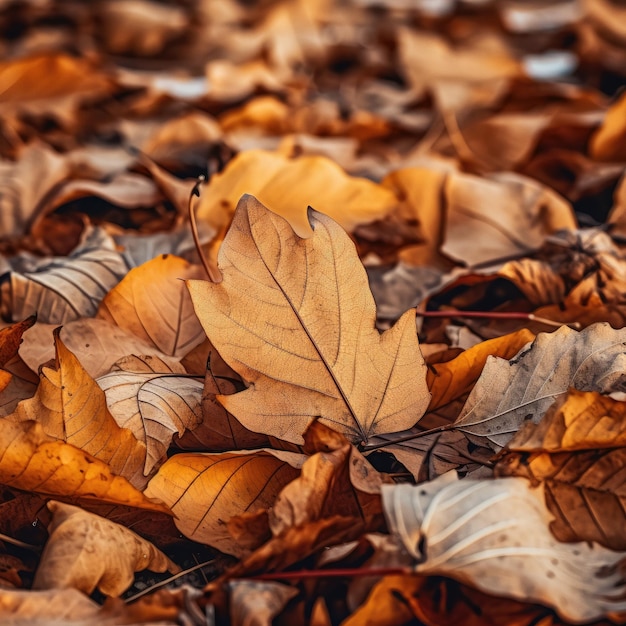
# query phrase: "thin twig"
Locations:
[[368, 447], [333, 573], [194, 230], [498, 315], [19, 544], [167, 581]]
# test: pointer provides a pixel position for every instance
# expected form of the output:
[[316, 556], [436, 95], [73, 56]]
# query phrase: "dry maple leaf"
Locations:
[[85, 551], [295, 318]]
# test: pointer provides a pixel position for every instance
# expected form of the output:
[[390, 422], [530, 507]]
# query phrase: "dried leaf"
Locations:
[[153, 304], [70, 406], [318, 354], [154, 407], [96, 343], [85, 551], [65, 288], [335, 481], [257, 603], [577, 452], [205, 490], [450, 380], [500, 542], [511, 392], [32, 461], [288, 186]]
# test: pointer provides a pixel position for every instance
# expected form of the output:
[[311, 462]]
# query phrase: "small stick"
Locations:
[[194, 231], [333, 573], [498, 315]]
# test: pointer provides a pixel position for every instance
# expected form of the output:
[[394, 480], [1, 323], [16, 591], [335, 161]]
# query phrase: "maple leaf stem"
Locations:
[[369, 447], [502, 315], [19, 544], [194, 231], [333, 573]]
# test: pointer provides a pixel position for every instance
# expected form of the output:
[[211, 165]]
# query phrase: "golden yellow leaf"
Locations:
[[309, 347], [289, 186], [70, 406], [85, 551], [32, 461], [607, 143], [152, 303], [450, 380], [205, 490]]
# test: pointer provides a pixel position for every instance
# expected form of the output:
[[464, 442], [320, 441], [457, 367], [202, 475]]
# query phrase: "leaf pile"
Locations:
[[379, 378]]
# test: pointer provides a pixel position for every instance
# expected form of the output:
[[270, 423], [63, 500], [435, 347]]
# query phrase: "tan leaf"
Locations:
[[257, 603], [153, 304], [288, 186], [96, 343], [70, 406], [65, 288], [32, 461], [310, 347], [85, 551], [447, 381], [607, 143], [500, 542], [511, 392], [427, 58], [153, 406], [25, 183], [205, 490], [617, 216]]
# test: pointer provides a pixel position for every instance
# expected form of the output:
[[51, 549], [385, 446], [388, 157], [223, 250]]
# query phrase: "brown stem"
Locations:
[[368, 447], [213, 277]]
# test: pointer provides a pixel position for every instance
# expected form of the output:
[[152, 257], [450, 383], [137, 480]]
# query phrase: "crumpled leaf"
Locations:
[[33, 461], [65, 288], [335, 480], [499, 541], [154, 406], [85, 551], [511, 392], [317, 353], [256, 602], [288, 186], [70, 406], [576, 453], [153, 304], [205, 490]]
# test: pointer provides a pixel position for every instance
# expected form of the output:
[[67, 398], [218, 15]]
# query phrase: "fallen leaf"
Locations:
[[153, 304], [257, 603], [289, 186], [66, 288], [86, 551], [70, 406], [33, 461], [511, 392], [319, 336], [219, 430], [500, 543], [205, 490], [576, 453], [96, 343], [451, 379], [332, 482], [153, 406]]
